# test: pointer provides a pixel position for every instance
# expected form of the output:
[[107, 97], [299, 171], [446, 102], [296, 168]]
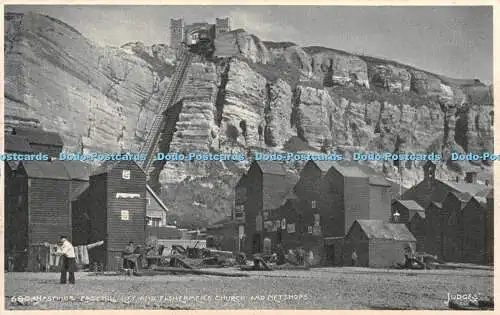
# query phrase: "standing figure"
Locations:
[[65, 250], [354, 258], [129, 261]]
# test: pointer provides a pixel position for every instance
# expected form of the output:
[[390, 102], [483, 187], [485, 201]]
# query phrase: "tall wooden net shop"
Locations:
[[47, 199]]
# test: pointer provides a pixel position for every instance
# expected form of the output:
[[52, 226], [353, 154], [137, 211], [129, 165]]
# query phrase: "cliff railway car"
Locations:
[[201, 43]]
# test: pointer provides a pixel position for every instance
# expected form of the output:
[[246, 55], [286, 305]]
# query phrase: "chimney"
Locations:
[[471, 177]]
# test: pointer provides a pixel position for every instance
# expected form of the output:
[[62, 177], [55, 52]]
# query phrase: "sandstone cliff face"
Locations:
[[256, 97], [390, 77], [338, 68], [239, 42], [98, 98]]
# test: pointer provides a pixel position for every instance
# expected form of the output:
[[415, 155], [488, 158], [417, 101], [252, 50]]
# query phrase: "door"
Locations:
[[256, 247], [330, 255]]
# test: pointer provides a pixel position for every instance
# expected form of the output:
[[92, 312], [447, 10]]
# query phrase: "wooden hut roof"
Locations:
[[272, 167], [441, 190], [354, 169], [410, 205], [156, 198], [17, 144], [107, 166], [481, 201], [421, 214], [39, 136], [45, 170], [462, 187], [324, 166], [375, 178], [13, 164], [378, 229], [437, 204], [349, 169], [76, 169]]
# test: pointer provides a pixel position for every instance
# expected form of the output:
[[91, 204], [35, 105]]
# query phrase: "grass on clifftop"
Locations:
[[279, 45], [279, 70], [291, 75]]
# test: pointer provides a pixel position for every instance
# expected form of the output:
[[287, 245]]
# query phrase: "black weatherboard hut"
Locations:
[[115, 210], [41, 141], [39, 208]]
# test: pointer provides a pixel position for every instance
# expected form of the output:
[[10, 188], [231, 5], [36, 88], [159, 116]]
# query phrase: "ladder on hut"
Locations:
[[168, 100]]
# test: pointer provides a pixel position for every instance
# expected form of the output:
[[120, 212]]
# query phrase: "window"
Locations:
[[156, 222], [126, 174], [149, 201], [125, 215], [313, 204]]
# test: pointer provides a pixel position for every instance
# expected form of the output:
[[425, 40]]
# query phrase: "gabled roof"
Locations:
[[349, 169], [156, 198], [437, 204], [462, 187], [378, 229], [464, 198], [375, 178], [17, 144], [13, 165], [324, 166], [271, 167], [440, 189], [354, 169], [39, 136], [410, 205], [76, 169], [45, 169], [479, 200], [421, 214], [485, 193], [107, 166]]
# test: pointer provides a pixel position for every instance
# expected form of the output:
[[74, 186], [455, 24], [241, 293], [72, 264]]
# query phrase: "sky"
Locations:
[[452, 41]]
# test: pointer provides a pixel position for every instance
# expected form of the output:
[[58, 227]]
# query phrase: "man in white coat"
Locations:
[[68, 264]]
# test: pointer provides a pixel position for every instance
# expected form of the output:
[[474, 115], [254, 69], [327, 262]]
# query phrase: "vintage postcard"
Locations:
[[231, 157]]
